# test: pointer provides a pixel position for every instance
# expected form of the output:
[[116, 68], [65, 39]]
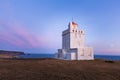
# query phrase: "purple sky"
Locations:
[[35, 25]]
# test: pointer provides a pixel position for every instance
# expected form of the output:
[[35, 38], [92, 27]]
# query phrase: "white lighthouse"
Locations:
[[73, 45]]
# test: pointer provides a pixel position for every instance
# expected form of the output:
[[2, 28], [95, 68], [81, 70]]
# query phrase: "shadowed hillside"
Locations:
[[51, 69]]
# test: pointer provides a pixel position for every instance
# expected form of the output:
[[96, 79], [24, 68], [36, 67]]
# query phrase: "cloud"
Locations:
[[15, 34], [11, 39]]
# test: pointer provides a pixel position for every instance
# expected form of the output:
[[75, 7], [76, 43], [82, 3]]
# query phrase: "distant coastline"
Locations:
[[10, 54]]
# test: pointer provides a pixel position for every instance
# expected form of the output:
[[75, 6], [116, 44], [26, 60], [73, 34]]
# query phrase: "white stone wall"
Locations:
[[73, 45], [76, 36], [71, 56], [65, 39], [72, 38], [85, 53]]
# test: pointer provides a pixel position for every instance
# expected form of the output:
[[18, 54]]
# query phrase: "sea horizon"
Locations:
[[94, 53], [52, 55]]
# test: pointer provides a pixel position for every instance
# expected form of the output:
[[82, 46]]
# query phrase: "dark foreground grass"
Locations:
[[51, 69]]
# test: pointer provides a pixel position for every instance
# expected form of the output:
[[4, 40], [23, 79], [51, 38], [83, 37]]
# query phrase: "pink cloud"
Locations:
[[11, 39], [26, 36], [15, 34]]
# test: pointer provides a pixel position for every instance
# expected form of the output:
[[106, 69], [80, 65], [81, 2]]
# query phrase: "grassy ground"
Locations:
[[50, 69]]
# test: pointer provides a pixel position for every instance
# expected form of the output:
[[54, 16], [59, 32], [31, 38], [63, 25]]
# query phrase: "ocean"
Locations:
[[105, 57]]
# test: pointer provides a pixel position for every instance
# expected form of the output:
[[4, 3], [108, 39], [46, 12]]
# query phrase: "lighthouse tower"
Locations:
[[73, 44]]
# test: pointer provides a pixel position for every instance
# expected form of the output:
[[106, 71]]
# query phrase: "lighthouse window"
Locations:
[[73, 30], [81, 32]]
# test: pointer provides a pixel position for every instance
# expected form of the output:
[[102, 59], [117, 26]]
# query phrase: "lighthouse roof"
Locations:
[[73, 23]]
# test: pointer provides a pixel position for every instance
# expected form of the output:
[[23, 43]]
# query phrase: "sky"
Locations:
[[35, 26]]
